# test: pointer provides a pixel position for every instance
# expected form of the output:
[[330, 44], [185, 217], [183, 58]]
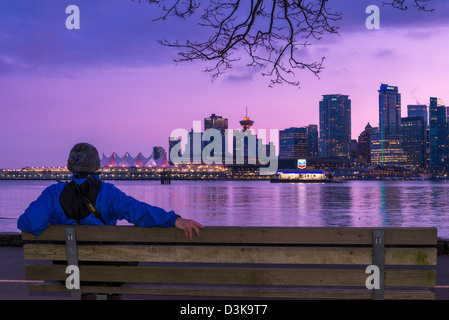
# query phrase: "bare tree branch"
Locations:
[[402, 4], [261, 33]]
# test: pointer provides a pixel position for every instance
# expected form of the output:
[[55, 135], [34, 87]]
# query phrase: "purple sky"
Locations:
[[112, 85]]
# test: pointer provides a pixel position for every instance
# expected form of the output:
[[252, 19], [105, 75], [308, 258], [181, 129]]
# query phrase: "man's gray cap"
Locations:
[[83, 158]]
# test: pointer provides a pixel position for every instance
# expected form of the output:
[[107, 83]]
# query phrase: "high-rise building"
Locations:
[[439, 144], [364, 144], [387, 149], [418, 110], [158, 152], [312, 136], [195, 145], [386, 144], [297, 143], [221, 124], [414, 140], [293, 143], [335, 126], [389, 110], [172, 142], [216, 122]]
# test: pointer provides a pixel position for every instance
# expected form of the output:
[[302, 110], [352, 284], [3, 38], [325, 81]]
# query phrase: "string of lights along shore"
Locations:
[[419, 141]]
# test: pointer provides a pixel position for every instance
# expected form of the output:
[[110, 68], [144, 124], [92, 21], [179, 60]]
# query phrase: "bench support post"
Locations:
[[379, 261], [72, 256]]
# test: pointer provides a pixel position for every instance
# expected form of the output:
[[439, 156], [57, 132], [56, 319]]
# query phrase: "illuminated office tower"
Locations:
[[386, 143], [389, 110], [335, 126], [295, 143], [414, 140], [387, 150], [158, 152], [439, 143], [418, 110], [216, 122], [312, 136], [364, 144], [221, 124]]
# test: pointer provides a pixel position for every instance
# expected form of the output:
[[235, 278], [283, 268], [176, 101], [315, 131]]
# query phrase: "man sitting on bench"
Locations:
[[87, 200]]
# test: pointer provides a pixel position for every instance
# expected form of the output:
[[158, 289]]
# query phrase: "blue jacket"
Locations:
[[112, 203]]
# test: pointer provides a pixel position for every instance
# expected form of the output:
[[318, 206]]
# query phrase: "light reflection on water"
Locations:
[[260, 203]]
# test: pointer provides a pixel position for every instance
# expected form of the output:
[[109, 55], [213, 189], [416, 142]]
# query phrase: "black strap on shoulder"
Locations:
[[89, 204], [78, 202]]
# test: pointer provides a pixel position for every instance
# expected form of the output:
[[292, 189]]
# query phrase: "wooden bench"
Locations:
[[242, 262]]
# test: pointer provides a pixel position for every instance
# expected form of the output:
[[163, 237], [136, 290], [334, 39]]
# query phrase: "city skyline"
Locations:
[[110, 84]]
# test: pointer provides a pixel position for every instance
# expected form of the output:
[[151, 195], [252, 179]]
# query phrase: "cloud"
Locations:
[[34, 38], [354, 15], [384, 54]]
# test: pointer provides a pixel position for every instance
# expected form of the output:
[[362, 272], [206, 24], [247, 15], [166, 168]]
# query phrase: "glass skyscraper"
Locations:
[[216, 122], [389, 110], [221, 124], [439, 143], [297, 143], [293, 143], [418, 110], [386, 144], [335, 126], [364, 144], [414, 140]]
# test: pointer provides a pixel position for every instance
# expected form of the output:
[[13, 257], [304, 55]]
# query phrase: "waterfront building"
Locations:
[[312, 136], [386, 143], [335, 126], [354, 150], [216, 122], [418, 110], [439, 144], [414, 140], [364, 145], [158, 152], [110, 161], [387, 150], [195, 145], [172, 142], [389, 110], [221, 124], [295, 143], [127, 161]]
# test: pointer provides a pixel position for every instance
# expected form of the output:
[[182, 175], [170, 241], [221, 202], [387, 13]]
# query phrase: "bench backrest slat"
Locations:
[[245, 235]]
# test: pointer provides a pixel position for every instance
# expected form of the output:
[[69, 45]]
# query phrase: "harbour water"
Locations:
[[260, 203]]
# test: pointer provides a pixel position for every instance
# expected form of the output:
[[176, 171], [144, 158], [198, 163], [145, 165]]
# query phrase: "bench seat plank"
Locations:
[[234, 275], [239, 292]]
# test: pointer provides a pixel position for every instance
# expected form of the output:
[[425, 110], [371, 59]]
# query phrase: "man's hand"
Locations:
[[188, 226]]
